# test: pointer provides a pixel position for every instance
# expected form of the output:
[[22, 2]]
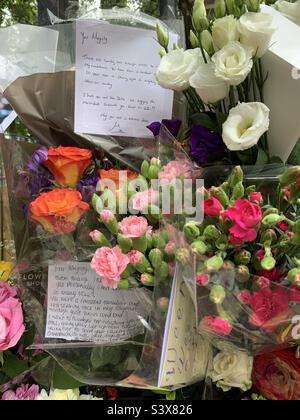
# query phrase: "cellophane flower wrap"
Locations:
[[61, 199]]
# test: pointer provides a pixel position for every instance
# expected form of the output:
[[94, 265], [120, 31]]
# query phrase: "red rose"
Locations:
[[270, 309], [212, 207], [277, 375]]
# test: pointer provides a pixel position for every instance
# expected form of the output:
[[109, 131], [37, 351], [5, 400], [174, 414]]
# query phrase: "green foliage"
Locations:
[[18, 11]]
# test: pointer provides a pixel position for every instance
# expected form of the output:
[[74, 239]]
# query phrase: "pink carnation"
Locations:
[[11, 322], [175, 169], [23, 393], [212, 207], [217, 325], [135, 257], [284, 226], [256, 197], [245, 297], [134, 227], [170, 248], [238, 235], [142, 200], [109, 264]]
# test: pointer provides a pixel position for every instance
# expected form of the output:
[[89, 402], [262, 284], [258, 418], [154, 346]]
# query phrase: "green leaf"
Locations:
[[14, 366], [262, 157], [1, 359], [206, 121], [62, 380], [276, 159]]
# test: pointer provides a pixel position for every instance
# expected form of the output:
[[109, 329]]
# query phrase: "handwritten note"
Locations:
[[79, 308], [116, 90], [185, 352]]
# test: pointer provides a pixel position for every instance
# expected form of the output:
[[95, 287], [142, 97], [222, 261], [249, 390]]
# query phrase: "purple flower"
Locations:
[[40, 183], [172, 125], [205, 145], [87, 186], [23, 393], [38, 158]]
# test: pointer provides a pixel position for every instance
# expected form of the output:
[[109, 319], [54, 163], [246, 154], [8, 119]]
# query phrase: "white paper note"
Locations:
[[282, 89], [79, 308], [116, 90]]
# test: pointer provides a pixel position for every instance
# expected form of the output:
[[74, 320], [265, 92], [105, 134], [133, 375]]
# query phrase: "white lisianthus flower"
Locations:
[[177, 67], [209, 87], [232, 368], [289, 10], [245, 125], [224, 31], [256, 32], [59, 395], [233, 63]]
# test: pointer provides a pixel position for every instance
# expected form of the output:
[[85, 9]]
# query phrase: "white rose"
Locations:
[[256, 32], [232, 368], [233, 63], [209, 87], [177, 67], [245, 125], [224, 31], [289, 10], [59, 395]]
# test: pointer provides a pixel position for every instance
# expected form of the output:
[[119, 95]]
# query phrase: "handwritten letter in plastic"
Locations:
[[116, 90], [79, 308]]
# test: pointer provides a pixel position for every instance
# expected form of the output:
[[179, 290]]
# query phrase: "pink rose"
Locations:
[[142, 200], [7, 291], [23, 393], [175, 169], [109, 264], [270, 309], [245, 214], [11, 322], [256, 197], [134, 227], [217, 325], [212, 207]]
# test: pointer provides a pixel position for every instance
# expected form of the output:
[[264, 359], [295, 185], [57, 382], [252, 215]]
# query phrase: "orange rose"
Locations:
[[68, 164], [58, 211], [114, 175]]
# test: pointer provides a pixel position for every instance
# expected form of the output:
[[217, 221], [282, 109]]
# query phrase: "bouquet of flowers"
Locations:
[[246, 261], [223, 79]]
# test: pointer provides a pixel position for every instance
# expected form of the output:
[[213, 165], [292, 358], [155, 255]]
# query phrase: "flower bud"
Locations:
[[220, 8], [294, 276], [162, 35], [221, 195], [290, 176], [158, 241], [242, 257], [100, 239], [271, 211], [268, 263], [163, 304], [170, 249], [262, 282], [97, 203], [214, 264], [156, 257], [162, 52], [153, 172], [296, 239], [253, 5], [163, 271], [128, 272], [242, 274], [199, 13], [217, 294], [207, 42], [183, 256], [139, 262], [211, 233], [269, 236], [250, 190], [222, 242], [124, 284], [149, 241], [191, 231], [202, 279], [230, 6], [145, 168], [238, 191], [140, 244], [109, 220], [124, 243], [236, 176], [272, 220], [199, 248], [194, 40], [228, 265], [147, 280]]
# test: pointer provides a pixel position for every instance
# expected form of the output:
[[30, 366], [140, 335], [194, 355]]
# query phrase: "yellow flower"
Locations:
[[6, 268]]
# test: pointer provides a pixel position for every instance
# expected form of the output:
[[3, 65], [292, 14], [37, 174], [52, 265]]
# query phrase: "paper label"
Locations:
[[184, 357], [79, 308], [116, 90], [6, 268]]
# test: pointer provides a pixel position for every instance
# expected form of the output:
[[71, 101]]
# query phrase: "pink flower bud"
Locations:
[[256, 197], [202, 280], [245, 297], [106, 216], [263, 282]]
